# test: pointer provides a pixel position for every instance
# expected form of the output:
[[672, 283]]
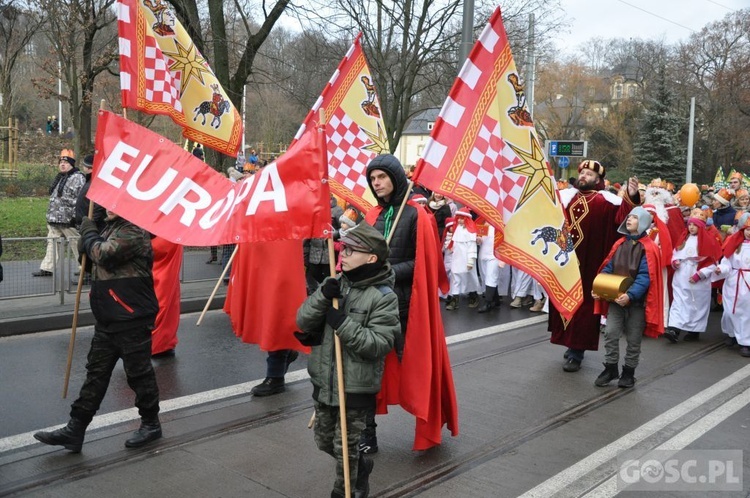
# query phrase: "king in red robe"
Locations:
[[594, 216]]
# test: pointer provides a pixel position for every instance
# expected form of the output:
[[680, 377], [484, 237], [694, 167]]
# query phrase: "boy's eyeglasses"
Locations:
[[348, 250]]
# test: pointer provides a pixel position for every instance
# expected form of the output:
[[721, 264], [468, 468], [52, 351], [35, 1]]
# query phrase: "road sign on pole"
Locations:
[[563, 162], [570, 148]]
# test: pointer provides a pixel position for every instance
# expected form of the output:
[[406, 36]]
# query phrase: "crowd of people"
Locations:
[[674, 254]]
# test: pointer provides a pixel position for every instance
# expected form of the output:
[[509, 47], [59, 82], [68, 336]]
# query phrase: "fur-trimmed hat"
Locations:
[[69, 156], [88, 161], [420, 199], [723, 196], [464, 211], [594, 166]]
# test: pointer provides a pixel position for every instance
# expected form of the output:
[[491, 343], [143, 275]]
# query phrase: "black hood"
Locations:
[[395, 171]]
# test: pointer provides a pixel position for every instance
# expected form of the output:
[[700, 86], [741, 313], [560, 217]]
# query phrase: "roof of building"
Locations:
[[418, 123]]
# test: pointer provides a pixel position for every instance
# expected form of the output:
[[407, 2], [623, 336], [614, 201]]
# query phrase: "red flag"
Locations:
[[422, 382], [484, 152], [167, 263], [354, 130], [162, 72], [164, 189], [266, 288]]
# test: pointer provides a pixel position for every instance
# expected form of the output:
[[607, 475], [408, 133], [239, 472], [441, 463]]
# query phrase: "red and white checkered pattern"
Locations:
[[160, 84], [347, 162], [486, 172]]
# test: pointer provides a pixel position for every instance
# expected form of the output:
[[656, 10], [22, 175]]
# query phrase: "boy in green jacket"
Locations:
[[366, 323]]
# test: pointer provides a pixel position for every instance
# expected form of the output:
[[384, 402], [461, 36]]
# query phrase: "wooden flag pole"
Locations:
[[218, 283], [77, 305]]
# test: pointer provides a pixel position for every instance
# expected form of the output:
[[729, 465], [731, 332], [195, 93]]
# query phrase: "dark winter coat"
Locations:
[[122, 289], [367, 335], [403, 244]]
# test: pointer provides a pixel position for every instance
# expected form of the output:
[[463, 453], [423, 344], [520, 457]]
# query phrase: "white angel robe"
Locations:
[[464, 252], [691, 303], [735, 322]]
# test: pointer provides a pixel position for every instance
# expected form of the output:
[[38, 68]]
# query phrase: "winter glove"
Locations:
[[331, 288], [308, 339], [87, 227], [335, 317], [695, 277]]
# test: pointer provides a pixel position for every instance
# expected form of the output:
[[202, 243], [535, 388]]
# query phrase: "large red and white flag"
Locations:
[[485, 153], [354, 130], [164, 189], [162, 72]]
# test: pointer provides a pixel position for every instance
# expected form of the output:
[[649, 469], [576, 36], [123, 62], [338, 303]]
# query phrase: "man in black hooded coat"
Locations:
[[387, 180]]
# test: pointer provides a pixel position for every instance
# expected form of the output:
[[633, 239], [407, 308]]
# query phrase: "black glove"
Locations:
[[335, 317], [87, 227], [330, 288], [308, 339]]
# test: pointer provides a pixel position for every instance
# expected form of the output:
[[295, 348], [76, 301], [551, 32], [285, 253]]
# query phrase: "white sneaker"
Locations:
[[516, 303]]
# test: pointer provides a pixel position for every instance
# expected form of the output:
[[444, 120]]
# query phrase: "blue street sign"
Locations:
[[563, 161], [553, 148]]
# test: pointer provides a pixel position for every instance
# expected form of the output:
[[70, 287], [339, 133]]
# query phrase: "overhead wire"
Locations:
[[657, 15]]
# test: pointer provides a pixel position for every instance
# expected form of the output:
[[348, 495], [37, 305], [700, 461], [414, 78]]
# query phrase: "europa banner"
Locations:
[[164, 189]]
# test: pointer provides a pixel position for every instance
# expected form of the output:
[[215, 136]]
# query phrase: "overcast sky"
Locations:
[[671, 20]]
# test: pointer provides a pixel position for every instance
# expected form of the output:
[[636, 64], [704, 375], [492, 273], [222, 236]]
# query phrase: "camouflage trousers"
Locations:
[[133, 346], [328, 439]]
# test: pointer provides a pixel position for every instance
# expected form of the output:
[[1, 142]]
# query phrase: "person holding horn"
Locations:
[[366, 322]]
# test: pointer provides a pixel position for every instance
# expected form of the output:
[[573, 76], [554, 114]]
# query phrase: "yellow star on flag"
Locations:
[[190, 62], [380, 141], [535, 168]]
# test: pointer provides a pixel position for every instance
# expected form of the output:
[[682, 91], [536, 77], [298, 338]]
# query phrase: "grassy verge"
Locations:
[[23, 217]]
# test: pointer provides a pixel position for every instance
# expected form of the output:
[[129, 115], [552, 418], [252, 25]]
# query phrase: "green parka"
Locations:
[[367, 335]]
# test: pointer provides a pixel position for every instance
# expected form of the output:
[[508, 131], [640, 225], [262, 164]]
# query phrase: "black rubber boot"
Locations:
[[627, 379], [609, 374], [70, 436], [150, 430], [364, 469], [489, 299]]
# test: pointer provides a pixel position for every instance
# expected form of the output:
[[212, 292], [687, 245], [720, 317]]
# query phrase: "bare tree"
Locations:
[[83, 36], [714, 67], [217, 37], [18, 25]]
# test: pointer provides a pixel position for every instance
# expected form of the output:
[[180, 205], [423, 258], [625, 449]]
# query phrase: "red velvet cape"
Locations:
[[654, 303], [167, 263], [422, 383], [266, 288]]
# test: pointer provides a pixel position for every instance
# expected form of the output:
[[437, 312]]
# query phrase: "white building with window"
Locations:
[[414, 137]]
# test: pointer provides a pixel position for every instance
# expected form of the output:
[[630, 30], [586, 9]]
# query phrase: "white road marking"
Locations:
[[109, 419], [577, 471], [684, 438]]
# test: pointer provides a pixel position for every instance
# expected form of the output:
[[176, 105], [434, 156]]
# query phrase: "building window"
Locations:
[[420, 149], [631, 91], [618, 91], [430, 126]]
